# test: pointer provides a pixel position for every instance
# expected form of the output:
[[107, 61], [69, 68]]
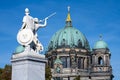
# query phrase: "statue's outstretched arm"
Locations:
[[41, 25], [45, 23]]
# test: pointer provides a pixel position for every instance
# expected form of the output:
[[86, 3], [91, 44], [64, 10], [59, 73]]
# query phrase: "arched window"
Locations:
[[80, 63], [68, 62], [64, 61], [100, 61]]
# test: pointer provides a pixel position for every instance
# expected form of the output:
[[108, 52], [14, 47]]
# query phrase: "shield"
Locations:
[[25, 36]]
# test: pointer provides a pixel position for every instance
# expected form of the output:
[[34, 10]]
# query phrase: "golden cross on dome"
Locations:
[[68, 16]]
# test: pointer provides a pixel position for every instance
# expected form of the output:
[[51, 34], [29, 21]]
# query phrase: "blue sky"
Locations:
[[91, 17]]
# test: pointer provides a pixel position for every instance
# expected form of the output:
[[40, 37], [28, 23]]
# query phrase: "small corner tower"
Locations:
[[101, 68]]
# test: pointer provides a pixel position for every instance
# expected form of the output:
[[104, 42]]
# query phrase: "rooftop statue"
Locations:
[[27, 35]]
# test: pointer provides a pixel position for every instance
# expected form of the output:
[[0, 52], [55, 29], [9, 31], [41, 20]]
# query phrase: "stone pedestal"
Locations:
[[28, 66]]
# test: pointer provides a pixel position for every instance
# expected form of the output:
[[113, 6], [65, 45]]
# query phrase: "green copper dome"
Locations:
[[100, 44], [19, 49], [68, 37]]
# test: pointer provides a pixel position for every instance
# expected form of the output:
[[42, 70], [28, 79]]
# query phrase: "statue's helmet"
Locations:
[[27, 11]]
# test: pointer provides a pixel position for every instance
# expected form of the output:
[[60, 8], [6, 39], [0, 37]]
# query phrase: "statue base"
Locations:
[[28, 66]]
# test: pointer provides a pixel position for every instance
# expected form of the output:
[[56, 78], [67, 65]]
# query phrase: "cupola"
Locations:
[[100, 44], [68, 37]]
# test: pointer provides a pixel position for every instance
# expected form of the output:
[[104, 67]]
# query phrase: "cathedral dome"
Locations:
[[100, 44], [68, 37]]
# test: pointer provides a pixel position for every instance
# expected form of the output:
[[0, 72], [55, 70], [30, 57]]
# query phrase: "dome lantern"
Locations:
[[68, 19]]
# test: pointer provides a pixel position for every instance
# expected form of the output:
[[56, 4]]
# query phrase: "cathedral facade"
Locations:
[[70, 57]]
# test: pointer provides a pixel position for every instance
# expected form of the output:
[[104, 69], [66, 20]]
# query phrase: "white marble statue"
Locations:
[[32, 23], [27, 36]]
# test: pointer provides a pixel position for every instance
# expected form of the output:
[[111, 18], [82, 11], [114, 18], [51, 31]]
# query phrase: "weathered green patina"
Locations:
[[100, 44], [68, 37], [19, 49]]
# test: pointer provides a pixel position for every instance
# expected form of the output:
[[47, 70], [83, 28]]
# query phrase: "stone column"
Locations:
[[28, 66], [104, 60], [107, 60], [82, 63], [93, 60], [85, 63]]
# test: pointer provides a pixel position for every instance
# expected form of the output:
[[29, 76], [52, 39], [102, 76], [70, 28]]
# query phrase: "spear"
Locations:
[[48, 16]]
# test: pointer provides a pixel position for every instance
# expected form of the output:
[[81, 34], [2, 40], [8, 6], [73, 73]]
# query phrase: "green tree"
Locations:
[[1, 70], [48, 74], [5, 73]]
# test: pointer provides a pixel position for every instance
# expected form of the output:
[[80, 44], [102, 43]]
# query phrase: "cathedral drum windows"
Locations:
[[80, 63], [63, 59], [66, 61]]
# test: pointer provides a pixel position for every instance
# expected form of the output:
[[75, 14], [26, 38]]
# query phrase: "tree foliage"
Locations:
[[48, 74], [5, 73]]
